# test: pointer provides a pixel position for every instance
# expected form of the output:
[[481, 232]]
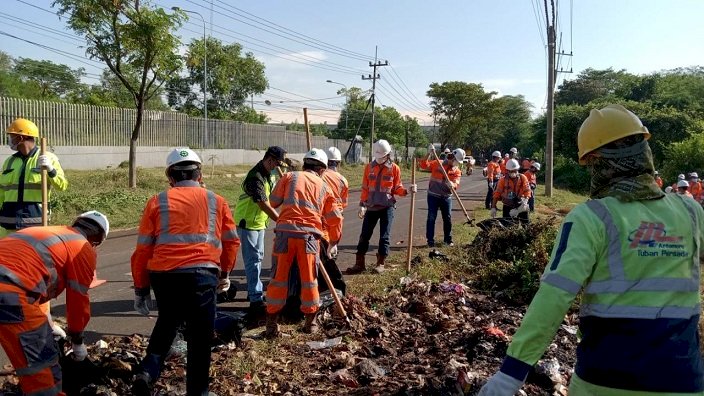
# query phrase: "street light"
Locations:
[[347, 101], [205, 74]]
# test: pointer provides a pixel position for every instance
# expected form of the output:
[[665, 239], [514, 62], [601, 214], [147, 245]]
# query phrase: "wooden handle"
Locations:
[[410, 221], [309, 140], [454, 192], [45, 187], [331, 287]]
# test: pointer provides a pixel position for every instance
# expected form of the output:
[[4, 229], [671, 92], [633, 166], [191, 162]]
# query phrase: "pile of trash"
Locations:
[[420, 338]]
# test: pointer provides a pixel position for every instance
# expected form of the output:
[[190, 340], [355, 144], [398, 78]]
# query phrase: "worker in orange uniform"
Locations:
[[340, 189], [658, 179], [532, 176], [493, 173], [695, 187], [38, 263], [306, 208], [186, 246], [514, 191], [440, 192], [502, 163], [381, 182]]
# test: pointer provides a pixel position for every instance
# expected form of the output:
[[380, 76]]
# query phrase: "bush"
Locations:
[[570, 175]]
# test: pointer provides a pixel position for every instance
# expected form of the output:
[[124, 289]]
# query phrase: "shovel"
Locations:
[[470, 220]]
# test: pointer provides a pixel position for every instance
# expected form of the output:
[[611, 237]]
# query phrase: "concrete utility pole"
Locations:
[[551, 99], [374, 76]]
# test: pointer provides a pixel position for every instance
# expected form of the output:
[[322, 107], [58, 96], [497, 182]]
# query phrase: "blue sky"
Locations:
[[493, 42]]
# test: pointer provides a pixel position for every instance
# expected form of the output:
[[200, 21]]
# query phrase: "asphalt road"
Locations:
[[112, 310]]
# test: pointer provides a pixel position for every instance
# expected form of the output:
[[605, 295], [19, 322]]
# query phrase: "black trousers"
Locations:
[[188, 297]]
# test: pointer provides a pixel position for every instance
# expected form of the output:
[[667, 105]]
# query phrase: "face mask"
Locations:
[[380, 160], [13, 147], [682, 192], [513, 175]]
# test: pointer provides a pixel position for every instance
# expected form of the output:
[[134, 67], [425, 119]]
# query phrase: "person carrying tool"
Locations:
[[514, 192], [695, 187], [532, 176], [252, 213], [380, 184], [307, 207], [186, 247], [38, 264], [634, 254], [503, 162], [658, 179], [340, 189], [440, 192], [493, 173]]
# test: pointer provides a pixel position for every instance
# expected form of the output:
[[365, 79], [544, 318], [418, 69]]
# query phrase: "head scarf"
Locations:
[[625, 171]]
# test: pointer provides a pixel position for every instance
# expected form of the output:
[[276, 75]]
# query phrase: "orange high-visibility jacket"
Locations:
[[46, 260], [307, 206], [184, 227], [532, 178], [526, 164], [492, 171], [658, 181], [509, 188], [380, 183], [339, 188], [502, 166], [436, 185], [696, 190]]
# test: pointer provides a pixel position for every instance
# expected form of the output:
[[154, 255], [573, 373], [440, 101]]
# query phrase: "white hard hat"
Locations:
[[668, 189], [506, 155], [496, 154], [316, 155], [536, 165], [512, 165], [694, 175], [656, 173], [513, 150], [334, 154], [446, 151], [682, 183], [459, 154], [98, 218], [381, 148], [680, 176], [181, 154]]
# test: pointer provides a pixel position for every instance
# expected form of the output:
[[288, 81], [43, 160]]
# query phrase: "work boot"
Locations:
[[310, 327], [359, 265], [272, 326], [141, 386], [380, 264]]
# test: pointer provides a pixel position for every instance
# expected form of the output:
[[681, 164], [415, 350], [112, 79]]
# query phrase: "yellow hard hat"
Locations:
[[605, 126], [23, 127]]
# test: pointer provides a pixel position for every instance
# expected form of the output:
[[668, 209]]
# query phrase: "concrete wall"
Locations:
[[101, 157]]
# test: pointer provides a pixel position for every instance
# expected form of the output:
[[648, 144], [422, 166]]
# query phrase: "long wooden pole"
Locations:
[[410, 221], [333, 291], [454, 192], [309, 140], [45, 187]]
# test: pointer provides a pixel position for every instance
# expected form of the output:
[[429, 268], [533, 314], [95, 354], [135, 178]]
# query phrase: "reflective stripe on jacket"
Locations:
[[380, 183], [306, 205], [510, 191], [493, 171], [46, 260], [248, 210], [436, 185], [183, 227], [638, 264], [21, 184], [339, 188]]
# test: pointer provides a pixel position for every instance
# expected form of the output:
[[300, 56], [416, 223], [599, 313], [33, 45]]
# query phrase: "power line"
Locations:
[[424, 105]]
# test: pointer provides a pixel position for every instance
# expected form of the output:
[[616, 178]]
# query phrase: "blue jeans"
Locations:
[[386, 218], [445, 205], [252, 248]]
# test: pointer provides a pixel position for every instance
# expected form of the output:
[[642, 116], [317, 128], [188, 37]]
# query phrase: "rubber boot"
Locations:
[[310, 327], [380, 264], [359, 265], [272, 326]]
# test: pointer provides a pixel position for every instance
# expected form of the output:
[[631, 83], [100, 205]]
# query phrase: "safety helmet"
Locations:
[[694, 175], [181, 154], [381, 149], [513, 150], [316, 155], [459, 154], [24, 127], [680, 176], [536, 165], [512, 165], [334, 154], [668, 189], [683, 184], [605, 126], [656, 173], [98, 218], [446, 151], [506, 155], [496, 154]]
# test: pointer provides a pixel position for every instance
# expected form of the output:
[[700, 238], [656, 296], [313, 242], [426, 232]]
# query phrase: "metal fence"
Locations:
[[65, 124]]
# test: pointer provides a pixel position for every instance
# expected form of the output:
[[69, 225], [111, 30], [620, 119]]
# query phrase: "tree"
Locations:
[[112, 93], [593, 84], [511, 122], [137, 44], [53, 80], [233, 76]]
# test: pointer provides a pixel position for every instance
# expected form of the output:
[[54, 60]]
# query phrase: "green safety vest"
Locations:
[[248, 215]]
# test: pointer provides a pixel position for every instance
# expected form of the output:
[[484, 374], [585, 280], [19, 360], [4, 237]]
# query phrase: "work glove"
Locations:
[[44, 161], [513, 212], [524, 205], [500, 384], [431, 148], [57, 331], [493, 213], [332, 251], [449, 184], [79, 352], [414, 188], [362, 211], [223, 285], [142, 304]]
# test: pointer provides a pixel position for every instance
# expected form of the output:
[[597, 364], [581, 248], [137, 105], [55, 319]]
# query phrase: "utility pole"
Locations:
[[374, 76], [551, 99]]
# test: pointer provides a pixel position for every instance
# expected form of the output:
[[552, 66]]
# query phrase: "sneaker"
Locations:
[[141, 385]]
